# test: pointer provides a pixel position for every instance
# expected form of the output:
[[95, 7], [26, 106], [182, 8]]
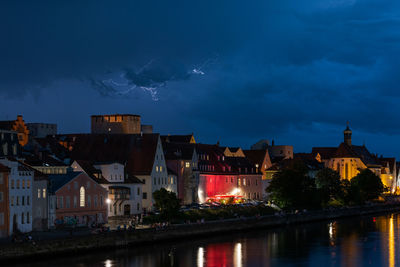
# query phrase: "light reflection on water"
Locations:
[[368, 241]]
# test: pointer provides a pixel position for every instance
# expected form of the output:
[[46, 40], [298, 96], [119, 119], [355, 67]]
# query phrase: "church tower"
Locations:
[[347, 135]]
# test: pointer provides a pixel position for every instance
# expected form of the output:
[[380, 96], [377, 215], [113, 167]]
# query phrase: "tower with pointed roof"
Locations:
[[347, 135]]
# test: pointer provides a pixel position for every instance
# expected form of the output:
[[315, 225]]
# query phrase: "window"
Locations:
[[23, 201], [17, 200], [187, 164], [82, 197], [156, 168], [89, 201], [28, 200], [244, 181], [1, 178], [44, 192], [144, 181], [38, 193], [144, 195], [68, 202], [22, 218], [1, 218], [17, 184], [1, 196], [60, 202], [160, 168], [12, 184], [138, 191], [76, 185], [138, 207], [238, 181], [155, 180], [95, 200], [28, 218], [158, 180], [75, 202], [23, 184], [88, 184], [12, 201]]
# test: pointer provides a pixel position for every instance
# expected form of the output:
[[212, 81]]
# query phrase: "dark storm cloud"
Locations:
[[234, 69]]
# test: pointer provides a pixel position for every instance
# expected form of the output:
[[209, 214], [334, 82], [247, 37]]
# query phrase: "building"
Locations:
[[348, 160], [262, 162], [275, 151], [41, 130], [20, 184], [141, 154], [40, 202], [124, 192], [9, 144], [189, 138], [45, 163], [4, 202], [78, 198], [249, 181], [119, 124], [223, 178], [182, 162], [18, 126]]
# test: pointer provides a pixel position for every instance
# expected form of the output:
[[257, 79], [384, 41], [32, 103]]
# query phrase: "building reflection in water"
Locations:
[[237, 255], [200, 257], [391, 242]]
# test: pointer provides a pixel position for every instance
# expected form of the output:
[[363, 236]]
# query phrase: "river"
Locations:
[[361, 241]]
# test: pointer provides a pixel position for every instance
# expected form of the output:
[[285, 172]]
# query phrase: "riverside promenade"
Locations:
[[84, 243]]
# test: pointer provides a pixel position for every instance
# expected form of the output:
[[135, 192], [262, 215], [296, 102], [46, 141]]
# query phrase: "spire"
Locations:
[[347, 135]]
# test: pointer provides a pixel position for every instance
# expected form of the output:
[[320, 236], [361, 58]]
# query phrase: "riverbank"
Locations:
[[97, 242]]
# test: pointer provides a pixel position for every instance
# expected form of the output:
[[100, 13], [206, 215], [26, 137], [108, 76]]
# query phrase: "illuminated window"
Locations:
[[38, 193], [160, 168], [44, 192], [156, 168], [23, 184], [82, 197], [239, 181], [28, 184], [187, 164]]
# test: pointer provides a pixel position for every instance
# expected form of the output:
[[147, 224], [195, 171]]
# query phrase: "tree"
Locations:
[[292, 188], [167, 202], [329, 186], [366, 186]]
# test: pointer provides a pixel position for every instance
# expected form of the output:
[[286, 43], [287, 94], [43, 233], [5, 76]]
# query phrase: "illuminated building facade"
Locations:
[[348, 160], [223, 177]]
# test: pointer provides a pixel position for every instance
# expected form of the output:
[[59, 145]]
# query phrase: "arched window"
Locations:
[[82, 197]]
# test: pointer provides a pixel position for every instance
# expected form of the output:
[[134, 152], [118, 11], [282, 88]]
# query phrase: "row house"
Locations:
[[124, 191], [222, 177], [20, 184], [141, 154], [4, 201], [182, 161], [261, 160], [76, 198]]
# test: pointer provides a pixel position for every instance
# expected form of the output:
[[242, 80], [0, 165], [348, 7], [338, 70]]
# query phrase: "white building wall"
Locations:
[[113, 172], [20, 197]]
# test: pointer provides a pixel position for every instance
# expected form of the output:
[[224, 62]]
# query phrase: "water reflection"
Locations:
[[366, 241]]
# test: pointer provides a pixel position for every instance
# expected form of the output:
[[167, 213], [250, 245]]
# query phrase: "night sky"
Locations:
[[229, 71]]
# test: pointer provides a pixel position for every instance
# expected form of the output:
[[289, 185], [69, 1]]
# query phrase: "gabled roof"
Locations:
[[391, 161], [256, 156], [177, 138], [137, 151], [324, 152], [178, 151], [56, 181]]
